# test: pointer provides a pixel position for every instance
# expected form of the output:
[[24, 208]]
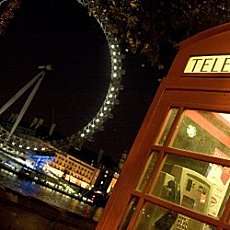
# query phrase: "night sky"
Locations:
[[60, 32]]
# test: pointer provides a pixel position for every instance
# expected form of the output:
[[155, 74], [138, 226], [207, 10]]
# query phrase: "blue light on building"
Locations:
[[40, 161]]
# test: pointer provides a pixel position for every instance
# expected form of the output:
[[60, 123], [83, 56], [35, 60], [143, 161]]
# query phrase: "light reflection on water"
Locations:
[[54, 198]]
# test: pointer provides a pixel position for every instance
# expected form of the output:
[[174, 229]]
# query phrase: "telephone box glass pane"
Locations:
[[146, 172], [166, 126], [203, 132], [128, 214], [196, 185], [157, 218]]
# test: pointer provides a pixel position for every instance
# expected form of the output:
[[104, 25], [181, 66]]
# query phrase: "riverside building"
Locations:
[[73, 170]]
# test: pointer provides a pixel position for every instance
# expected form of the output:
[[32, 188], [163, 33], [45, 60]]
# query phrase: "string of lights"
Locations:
[[6, 17], [22, 143], [105, 111]]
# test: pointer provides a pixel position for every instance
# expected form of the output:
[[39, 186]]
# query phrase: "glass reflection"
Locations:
[[167, 124], [203, 132], [194, 184], [129, 212], [157, 218], [147, 170]]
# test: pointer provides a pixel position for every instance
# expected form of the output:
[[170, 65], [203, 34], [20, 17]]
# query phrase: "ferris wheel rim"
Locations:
[[111, 98]]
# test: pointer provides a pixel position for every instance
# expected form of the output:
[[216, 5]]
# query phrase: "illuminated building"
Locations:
[[112, 183], [41, 160], [73, 170]]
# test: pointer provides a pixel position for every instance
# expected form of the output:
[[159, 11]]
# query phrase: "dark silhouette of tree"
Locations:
[[7, 13], [149, 28], [153, 28]]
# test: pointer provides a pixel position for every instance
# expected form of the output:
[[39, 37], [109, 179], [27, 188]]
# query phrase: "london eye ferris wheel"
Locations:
[[104, 112]]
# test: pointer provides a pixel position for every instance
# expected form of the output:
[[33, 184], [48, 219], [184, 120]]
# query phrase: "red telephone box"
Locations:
[[177, 174]]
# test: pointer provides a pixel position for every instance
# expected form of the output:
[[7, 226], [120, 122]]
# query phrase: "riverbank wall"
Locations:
[[19, 212]]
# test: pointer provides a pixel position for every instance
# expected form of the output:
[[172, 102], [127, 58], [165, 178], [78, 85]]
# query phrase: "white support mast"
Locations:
[[38, 78]]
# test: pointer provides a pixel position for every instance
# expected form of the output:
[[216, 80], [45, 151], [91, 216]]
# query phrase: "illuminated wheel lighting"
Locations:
[[114, 87], [103, 113]]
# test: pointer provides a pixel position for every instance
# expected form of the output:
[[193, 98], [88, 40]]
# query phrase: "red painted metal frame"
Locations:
[[185, 91]]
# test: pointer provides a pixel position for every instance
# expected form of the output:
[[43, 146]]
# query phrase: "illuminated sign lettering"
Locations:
[[208, 64]]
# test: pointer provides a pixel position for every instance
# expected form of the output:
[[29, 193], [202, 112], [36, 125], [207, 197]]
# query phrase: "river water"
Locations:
[[54, 198]]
